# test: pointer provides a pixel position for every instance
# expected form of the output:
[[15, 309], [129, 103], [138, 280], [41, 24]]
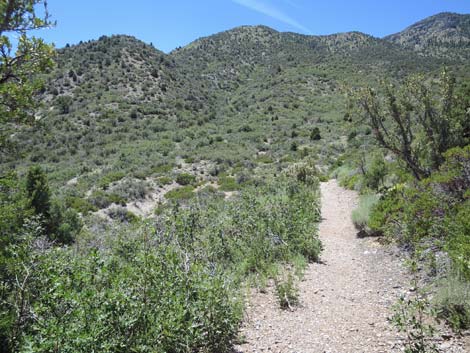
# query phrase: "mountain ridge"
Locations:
[[225, 97], [390, 37]]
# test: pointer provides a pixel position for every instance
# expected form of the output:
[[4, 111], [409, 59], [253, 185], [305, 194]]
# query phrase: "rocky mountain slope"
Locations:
[[443, 35], [238, 97]]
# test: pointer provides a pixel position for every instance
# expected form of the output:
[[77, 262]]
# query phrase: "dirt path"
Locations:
[[345, 301]]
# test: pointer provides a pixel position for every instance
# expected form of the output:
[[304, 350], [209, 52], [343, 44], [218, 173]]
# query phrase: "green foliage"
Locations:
[[18, 83], [102, 199], [361, 215], [385, 215], [110, 178], [315, 134], [164, 181], [458, 245], [452, 302], [227, 183], [63, 224], [417, 121], [413, 314], [38, 192], [185, 179], [14, 208], [135, 297], [64, 103], [181, 193], [121, 214], [287, 291], [81, 205], [376, 172], [433, 214], [410, 317], [434, 208], [348, 177], [173, 286]]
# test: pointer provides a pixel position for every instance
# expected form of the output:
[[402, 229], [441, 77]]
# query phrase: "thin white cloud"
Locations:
[[271, 11]]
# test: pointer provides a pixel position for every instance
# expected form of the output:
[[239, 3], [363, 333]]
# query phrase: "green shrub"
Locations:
[[376, 172], [135, 298], [315, 134], [110, 178], [287, 292], [81, 205], [176, 286], [452, 302], [385, 213], [37, 189], [121, 214], [361, 215], [162, 168], [102, 199], [181, 193], [458, 243], [64, 223], [132, 189], [227, 183], [164, 181], [185, 179], [348, 177]]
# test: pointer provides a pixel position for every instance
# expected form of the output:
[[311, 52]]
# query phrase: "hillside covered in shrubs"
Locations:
[[143, 193]]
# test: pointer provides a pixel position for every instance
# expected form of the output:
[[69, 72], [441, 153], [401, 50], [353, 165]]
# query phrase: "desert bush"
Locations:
[[287, 292], [110, 178], [102, 199], [145, 298], [185, 179], [164, 180], [80, 204], [175, 285], [361, 215], [181, 193], [228, 183], [131, 189], [121, 214], [452, 301]]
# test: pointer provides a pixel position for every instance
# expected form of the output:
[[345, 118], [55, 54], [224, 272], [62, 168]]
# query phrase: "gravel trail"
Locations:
[[345, 299]]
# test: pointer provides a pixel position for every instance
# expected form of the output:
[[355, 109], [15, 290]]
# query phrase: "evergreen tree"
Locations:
[[38, 191]]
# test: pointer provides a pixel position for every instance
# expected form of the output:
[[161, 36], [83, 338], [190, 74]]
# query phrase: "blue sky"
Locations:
[[169, 24]]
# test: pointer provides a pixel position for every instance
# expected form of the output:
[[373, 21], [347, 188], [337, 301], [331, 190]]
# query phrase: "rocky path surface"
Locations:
[[345, 300]]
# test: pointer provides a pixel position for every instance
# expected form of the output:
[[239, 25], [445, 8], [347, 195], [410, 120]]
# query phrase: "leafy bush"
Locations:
[[228, 184], [121, 214], [452, 302], [181, 193], [131, 189], [174, 286], [376, 172], [361, 215], [185, 179], [137, 297], [384, 215], [102, 199], [64, 224], [434, 214], [164, 181], [458, 244], [81, 205], [110, 178]]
